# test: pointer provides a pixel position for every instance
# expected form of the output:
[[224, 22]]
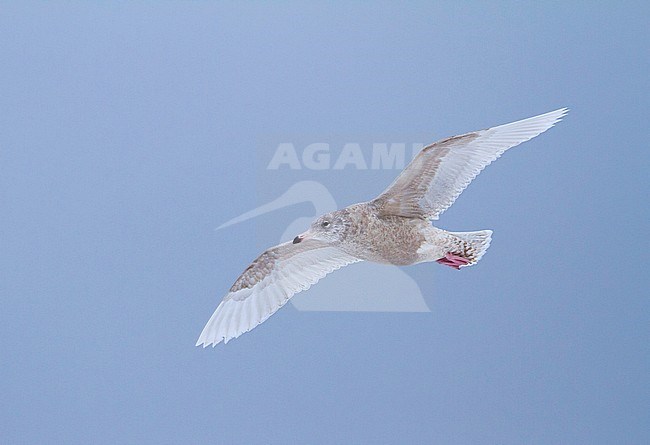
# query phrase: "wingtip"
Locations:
[[204, 342], [540, 123], [559, 114]]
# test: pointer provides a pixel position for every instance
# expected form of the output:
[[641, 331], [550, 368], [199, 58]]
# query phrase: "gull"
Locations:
[[394, 228]]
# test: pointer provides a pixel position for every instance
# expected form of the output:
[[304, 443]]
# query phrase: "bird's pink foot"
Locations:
[[453, 260]]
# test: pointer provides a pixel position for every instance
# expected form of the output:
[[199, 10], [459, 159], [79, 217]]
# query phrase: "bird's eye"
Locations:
[[325, 224]]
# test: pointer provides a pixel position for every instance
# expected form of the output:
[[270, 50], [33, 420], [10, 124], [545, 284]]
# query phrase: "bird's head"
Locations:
[[328, 228]]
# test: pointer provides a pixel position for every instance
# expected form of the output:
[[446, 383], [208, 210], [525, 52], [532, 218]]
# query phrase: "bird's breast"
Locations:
[[389, 240]]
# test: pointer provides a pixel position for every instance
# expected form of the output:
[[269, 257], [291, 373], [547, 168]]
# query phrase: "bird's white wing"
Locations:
[[441, 171], [268, 283]]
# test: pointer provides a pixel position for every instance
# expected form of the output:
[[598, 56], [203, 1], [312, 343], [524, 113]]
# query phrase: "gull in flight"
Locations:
[[394, 228]]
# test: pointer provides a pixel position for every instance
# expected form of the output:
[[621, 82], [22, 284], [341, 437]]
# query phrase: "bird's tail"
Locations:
[[468, 250]]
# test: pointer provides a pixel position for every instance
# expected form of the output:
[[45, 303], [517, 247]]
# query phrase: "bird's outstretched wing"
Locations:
[[441, 171], [268, 283]]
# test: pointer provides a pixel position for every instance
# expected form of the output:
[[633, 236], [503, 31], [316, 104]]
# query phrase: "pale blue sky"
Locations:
[[125, 134]]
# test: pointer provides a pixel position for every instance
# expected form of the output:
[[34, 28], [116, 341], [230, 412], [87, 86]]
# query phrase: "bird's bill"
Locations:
[[302, 237]]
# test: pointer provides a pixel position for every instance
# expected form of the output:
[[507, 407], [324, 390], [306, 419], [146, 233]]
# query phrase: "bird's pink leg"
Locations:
[[453, 260]]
